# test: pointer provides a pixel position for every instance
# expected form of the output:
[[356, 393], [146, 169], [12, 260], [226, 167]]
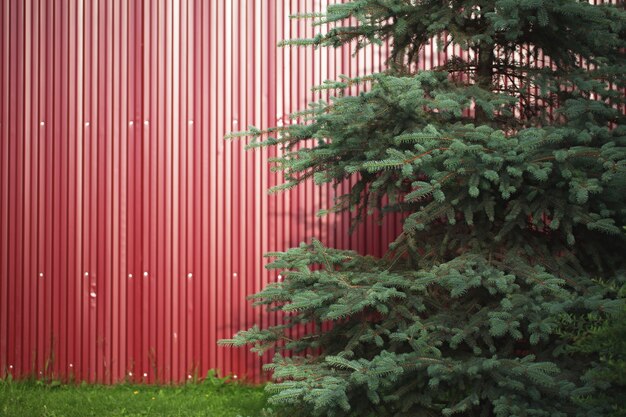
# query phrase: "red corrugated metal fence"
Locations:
[[130, 231]]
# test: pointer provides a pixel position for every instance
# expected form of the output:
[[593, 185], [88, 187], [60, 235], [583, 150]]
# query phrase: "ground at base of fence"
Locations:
[[213, 397]]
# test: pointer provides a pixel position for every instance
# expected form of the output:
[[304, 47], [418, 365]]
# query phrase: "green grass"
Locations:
[[214, 397]]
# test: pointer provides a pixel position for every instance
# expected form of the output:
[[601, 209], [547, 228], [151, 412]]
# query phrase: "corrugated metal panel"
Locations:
[[130, 232]]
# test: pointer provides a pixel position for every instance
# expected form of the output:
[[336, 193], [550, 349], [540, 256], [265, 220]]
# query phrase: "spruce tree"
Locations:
[[509, 164]]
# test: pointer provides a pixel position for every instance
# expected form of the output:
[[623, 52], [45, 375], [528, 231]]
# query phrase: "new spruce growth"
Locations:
[[509, 163]]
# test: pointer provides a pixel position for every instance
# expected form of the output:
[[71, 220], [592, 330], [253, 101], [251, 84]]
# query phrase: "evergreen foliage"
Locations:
[[604, 336], [511, 208]]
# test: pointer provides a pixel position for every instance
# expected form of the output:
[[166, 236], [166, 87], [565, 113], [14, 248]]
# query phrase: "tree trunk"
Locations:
[[484, 78]]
